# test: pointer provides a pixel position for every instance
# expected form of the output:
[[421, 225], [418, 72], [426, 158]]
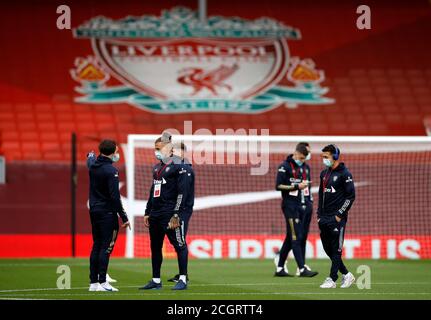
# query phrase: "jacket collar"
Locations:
[[104, 159]]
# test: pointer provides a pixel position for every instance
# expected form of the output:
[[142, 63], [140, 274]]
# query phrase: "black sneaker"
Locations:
[[176, 278], [308, 273], [282, 273], [151, 285]]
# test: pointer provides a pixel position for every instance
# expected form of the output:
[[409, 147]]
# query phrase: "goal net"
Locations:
[[237, 212]]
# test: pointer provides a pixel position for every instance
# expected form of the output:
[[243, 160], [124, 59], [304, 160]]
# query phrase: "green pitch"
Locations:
[[213, 279]]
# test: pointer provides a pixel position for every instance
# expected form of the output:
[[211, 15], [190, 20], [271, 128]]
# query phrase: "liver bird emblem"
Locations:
[[213, 80]]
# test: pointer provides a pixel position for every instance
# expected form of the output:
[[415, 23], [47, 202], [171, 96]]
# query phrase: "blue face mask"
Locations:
[[158, 155], [327, 163], [299, 162], [116, 157]]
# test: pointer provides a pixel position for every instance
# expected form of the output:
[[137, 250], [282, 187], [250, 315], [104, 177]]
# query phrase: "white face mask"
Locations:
[[158, 154], [116, 157], [327, 162], [299, 163], [308, 158]]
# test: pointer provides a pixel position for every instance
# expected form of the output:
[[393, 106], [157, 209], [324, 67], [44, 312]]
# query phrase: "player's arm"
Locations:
[[282, 181], [149, 207], [114, 192], [183, 189], [309, 184], [150, 201], [91, 159], [321, 191], [349, 195]]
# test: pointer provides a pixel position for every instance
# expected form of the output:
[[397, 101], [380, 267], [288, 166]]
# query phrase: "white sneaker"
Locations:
[[328, 284], [109, 279], [277, 258], [94, 286], [298, 273], [347, 280], [107, 287]]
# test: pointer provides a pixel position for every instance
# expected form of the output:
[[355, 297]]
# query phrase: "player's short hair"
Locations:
[[165, 138], [107, 147], [332, 149], [302, 149], [306, 144]]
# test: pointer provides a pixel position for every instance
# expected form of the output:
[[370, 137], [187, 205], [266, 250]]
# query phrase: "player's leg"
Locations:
[[94, 256], [177, 239], [326, 238], [338, 231], [108, 222], [296, 234], [306, 227], [284, 250], [347, 277], [185, 219], [157, 235]]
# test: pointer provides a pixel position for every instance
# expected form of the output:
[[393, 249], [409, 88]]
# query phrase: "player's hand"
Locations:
[[174, 222], [337, 218], [126, 225], [147, 221], [303, 185]]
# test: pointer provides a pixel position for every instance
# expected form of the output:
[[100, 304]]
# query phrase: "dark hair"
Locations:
[[306, 144], [302, 149], [332, 149], [107, 147]]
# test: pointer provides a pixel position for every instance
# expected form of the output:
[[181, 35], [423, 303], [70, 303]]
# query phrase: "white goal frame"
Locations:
[[133, 140]]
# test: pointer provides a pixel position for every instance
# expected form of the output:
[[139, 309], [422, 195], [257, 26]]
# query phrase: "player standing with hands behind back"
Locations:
[[336, 196]]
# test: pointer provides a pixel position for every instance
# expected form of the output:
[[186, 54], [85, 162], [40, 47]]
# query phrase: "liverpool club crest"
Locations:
[[177, 63]]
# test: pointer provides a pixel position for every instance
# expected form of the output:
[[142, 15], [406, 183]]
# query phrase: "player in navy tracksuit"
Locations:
[[292, 182], [165, 212], [178, 150], [105, 207], [307, 206], [336, 196]]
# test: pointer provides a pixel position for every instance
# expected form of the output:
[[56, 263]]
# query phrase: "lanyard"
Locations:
[[326, 179], [161, 170], [304, 174]]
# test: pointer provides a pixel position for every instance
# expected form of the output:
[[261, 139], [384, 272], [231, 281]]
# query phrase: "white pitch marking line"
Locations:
[[213, 285], [238, 294]]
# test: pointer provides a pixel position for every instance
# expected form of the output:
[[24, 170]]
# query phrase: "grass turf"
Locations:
[[213, 279]]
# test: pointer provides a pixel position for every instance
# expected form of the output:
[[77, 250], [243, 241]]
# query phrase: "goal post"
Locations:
[[237, 211]]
